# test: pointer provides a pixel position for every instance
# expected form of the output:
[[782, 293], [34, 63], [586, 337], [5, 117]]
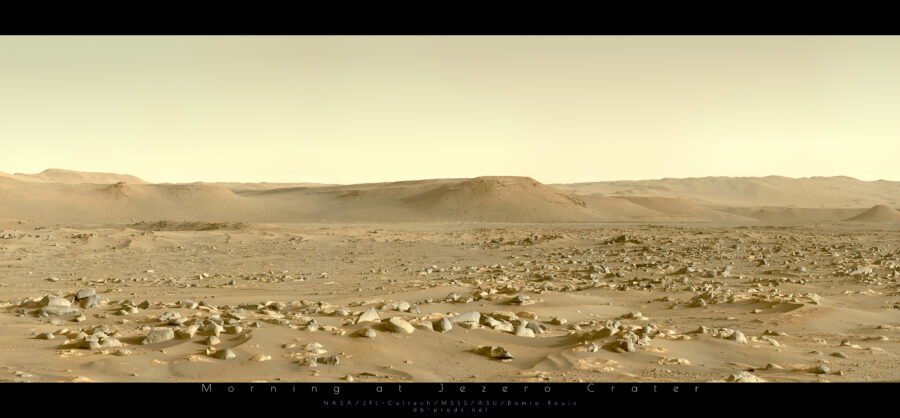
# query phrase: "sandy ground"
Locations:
[[557, 302]]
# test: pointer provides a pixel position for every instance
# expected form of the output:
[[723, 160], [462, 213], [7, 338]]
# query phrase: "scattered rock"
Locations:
[[226, 354], [523, 331], [558, 321], [51, 300], [331, 360], [744, 377], [159, 335], [187, 332], [369, 315], [738, 337], [466, 317], [443, 325], [399, 325], [85, 293], [58, 310], [495, 352]]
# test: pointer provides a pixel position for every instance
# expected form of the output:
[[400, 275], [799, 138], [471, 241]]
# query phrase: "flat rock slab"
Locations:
[[187, 332], [466, 317], [50, 300], [399, 325], [57, 310]]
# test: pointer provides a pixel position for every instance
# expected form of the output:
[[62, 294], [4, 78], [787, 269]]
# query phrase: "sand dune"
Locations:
[[256, 187], [122, 202], [482, 199], [55, 175], [879, 213], [684, 210], [659, 209], [794, 215], [494, 199], [69, 196], [813, 192]]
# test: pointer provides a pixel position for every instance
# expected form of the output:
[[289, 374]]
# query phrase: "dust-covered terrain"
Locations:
[[143, 282]]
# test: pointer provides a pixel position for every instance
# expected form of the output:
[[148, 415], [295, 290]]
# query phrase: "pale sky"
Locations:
[[373, 108]]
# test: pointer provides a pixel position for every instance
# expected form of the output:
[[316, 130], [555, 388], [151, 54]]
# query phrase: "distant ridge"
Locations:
[[773, 191], [56, 195], [55, 175], [480, 199]]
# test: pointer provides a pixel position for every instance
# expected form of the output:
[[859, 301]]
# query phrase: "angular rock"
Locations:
[[110, 343], [738, 337], [535, 327], [159, 335], [90, 344], [331, 360], [168, 316], [187, 332], [495, 352], [226, 354], [521, 299], [85, 293], [466, 317], [51, 300], [57, 310], [744, 377], [523, 331], [369, 315], [214, 329], [605, 332], [261, 357], [316, 348], [92, 301], [443, 325]]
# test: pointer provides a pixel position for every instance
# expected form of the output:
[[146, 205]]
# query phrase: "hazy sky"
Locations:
[[367, 109]]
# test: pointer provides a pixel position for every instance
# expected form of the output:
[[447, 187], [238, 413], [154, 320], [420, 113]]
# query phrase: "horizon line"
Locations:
[[439, 178]]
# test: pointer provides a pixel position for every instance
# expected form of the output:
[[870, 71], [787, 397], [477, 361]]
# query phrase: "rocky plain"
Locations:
[[107, 278]]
